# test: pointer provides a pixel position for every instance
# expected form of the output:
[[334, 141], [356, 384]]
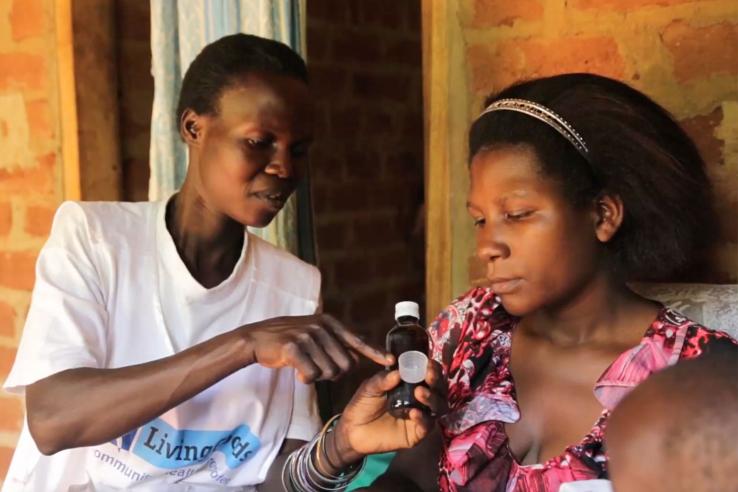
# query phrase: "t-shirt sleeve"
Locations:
[[66, 323], [305, 422]]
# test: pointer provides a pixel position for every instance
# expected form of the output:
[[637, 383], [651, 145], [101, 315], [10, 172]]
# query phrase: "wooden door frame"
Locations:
[[88, 95], [447, 116], [67, 100]]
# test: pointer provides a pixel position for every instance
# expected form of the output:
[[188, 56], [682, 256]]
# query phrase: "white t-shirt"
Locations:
[[111, 291]]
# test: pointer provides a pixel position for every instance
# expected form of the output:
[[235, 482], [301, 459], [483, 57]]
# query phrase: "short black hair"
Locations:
[[636, 151], [220, 63]]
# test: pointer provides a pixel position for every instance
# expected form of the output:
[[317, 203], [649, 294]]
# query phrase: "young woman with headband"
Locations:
[[579, 184]]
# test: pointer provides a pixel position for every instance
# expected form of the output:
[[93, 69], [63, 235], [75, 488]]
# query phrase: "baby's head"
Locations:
[[678, 430]]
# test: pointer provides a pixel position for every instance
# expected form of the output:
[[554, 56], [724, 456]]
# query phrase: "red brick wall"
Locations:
[[30, 157], [364, 59], [30, 175]]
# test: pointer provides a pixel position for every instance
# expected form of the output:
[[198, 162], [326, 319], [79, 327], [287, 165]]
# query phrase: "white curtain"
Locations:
[[179, 30]]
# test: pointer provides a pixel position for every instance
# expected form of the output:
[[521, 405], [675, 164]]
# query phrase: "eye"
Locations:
[[300, 149], [515, 216], [259, 143], [479, 222]]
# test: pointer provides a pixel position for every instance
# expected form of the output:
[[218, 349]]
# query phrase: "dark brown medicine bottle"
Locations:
[[406, 335]]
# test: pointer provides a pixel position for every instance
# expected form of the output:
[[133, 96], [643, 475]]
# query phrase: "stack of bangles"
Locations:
[[300, 473]]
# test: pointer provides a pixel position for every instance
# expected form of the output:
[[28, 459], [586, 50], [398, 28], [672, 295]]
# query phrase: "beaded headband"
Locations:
[[543, 114]]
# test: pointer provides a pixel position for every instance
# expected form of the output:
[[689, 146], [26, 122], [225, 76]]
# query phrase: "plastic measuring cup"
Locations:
[[413, 366]]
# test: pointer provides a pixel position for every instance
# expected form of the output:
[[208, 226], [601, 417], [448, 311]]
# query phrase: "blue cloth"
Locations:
[[376, 465]]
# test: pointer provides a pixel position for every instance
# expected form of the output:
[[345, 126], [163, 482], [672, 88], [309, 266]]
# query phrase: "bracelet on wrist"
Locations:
[[300, 473]]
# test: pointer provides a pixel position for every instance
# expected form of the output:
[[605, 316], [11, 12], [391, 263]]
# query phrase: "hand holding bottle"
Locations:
[[391, 411], [367, 426]]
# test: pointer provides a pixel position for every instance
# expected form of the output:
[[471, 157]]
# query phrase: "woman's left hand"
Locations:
[[365, 427]]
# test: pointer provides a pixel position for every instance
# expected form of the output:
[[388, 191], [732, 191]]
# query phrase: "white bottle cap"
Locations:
[[413, 366], [407, 308]]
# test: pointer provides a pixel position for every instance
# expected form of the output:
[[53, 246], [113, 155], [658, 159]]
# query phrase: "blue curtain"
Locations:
[[179, 30]]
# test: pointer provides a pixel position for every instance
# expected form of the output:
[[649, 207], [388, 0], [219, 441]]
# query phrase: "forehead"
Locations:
[[509, 172], [275, 100]]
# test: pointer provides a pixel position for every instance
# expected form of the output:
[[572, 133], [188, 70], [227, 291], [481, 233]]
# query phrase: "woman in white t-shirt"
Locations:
[[167, 349]]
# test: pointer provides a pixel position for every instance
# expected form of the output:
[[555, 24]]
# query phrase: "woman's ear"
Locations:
[[609, 214], [190, 127]]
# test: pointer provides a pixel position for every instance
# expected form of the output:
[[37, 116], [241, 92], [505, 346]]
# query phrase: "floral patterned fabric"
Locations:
[[471, 340]]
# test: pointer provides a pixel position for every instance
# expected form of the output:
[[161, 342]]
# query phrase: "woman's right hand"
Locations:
[[317, 346], [366, 427]]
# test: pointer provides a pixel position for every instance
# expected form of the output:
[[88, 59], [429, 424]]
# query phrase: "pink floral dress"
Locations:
[[471, 339]]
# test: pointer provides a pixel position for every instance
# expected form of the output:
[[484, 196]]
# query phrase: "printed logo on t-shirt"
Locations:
[[166, 447]]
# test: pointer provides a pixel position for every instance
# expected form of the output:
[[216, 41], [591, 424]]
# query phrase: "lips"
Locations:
[[274, 198], [500, 285]]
